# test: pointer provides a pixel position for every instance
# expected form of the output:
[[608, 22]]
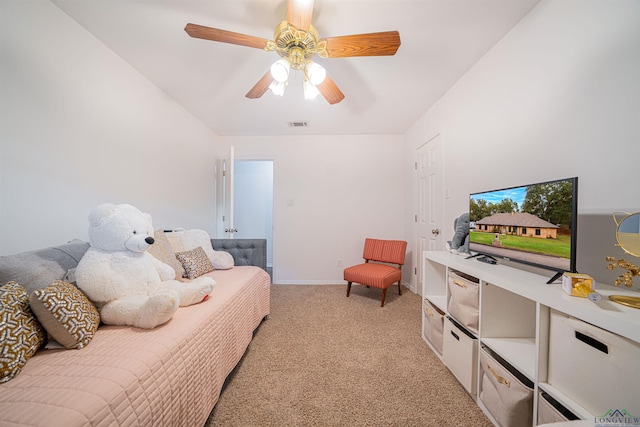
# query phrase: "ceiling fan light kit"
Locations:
[[297, 42], [310, 90], [316, 73], [280, 70], [277, 88]]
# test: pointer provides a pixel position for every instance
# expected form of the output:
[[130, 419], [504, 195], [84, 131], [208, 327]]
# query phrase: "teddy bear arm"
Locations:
[[99, 278], [165, 271]]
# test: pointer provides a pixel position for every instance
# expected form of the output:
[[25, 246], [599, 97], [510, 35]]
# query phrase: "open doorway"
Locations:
[[253, 202]]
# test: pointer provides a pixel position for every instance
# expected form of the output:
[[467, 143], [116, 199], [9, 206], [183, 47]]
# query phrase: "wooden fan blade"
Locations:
[[299, 13], [372, 44], [261, 87], [217, 35], [330, 91]]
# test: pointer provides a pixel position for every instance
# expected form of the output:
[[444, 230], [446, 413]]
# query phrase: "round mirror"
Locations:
[[628, 237], [628, 233]]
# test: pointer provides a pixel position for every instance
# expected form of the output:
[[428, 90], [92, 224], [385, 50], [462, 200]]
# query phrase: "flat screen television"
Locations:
[[534, 224]]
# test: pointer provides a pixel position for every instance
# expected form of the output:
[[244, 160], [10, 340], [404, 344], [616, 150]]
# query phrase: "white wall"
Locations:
[[330, 192], [558, 96], [79, 126]]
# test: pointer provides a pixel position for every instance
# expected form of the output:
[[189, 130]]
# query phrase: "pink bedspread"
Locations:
[[169, 376]]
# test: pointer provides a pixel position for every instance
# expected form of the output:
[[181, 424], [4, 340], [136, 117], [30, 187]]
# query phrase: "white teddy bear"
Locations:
[[129, 285]]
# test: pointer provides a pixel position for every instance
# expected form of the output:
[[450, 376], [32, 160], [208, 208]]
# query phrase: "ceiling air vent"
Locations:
[[298, 124]]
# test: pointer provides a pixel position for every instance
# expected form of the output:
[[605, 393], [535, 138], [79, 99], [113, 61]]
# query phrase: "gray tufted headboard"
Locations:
[[37, 269], [244, 251]]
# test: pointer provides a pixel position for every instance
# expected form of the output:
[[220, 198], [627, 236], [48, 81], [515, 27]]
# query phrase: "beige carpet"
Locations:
[[322, 359]]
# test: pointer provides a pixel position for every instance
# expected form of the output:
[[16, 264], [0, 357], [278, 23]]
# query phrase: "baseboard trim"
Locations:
[[328, 282]]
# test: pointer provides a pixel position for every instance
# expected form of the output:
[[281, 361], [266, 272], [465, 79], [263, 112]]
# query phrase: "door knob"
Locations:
[[435, 231]]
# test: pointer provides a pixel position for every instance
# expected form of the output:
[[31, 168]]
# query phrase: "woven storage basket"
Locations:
[[463, 302], [433, 324], [506, 394]]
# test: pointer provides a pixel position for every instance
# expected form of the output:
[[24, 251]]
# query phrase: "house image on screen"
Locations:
[[517, 224]]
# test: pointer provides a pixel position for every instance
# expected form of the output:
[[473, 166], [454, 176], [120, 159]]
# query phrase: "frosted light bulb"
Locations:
[[280, 70], [316, 73], [310, 91], [277, 88]]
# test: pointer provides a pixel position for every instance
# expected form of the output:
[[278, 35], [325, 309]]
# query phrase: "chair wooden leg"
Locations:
[[384, 293], [348, 289], [399, 289]]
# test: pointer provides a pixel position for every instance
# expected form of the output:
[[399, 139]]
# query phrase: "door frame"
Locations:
[[439, 241], [224, 195], [238, 185]]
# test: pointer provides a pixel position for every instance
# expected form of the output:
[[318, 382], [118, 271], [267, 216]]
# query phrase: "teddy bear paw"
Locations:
[[157, 310], [197, 291]]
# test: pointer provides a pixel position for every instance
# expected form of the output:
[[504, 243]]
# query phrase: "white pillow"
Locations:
[[190, 239]]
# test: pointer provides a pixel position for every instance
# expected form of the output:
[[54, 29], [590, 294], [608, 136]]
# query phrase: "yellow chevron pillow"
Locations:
[[21, 333], [66, 313]]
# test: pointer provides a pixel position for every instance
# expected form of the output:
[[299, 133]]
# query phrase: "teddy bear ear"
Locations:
[[100, 212]]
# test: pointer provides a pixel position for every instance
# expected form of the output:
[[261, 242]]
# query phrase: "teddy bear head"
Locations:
[[114, 228]]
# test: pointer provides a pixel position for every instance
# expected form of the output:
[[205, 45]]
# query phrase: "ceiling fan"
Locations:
[[297, 42]]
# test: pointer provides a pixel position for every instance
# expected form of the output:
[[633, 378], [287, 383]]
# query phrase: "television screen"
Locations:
[[534, 224]]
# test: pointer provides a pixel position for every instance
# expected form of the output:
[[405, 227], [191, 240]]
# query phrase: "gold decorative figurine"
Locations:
[[625, 278]]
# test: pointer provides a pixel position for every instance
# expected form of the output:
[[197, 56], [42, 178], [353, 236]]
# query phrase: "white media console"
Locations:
[[584, 354]]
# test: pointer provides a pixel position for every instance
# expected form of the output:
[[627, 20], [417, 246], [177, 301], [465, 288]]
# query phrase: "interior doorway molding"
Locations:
[[429, 201], [253, 202]]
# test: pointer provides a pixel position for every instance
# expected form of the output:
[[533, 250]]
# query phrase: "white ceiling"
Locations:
[[441, 40]]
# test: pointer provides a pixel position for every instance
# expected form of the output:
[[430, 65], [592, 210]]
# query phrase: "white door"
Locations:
[[224, 196], [430, 212]]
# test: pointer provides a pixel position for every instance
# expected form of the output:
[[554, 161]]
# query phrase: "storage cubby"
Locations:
[[550, 410], [435, 284], [509, 327], [578, 366], [504, 392], [566, 401], [615, 377]]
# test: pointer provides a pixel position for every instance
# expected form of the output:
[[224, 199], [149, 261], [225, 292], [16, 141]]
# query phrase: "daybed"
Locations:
[[168, 376]]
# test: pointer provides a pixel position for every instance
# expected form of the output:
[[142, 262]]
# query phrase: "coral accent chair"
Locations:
[[375, 274]]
